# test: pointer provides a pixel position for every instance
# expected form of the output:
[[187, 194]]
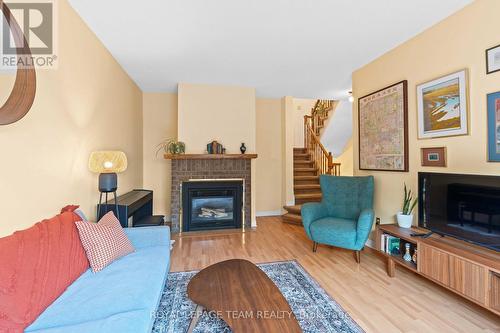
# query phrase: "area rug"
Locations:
[[314, 309]]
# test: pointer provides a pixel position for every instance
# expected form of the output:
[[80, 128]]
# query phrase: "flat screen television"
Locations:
[[462, 206]]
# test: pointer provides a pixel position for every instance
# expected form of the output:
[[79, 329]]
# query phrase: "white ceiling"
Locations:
[[300, 48]]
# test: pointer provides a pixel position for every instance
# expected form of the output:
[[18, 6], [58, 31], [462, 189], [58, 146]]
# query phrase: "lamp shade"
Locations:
[[108, 161]]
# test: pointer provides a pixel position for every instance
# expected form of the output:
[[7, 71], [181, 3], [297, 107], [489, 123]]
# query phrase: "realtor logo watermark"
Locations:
[[37, 21]]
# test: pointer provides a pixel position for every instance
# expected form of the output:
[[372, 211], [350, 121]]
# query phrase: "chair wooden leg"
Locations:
[[357, 256], [315, 246]]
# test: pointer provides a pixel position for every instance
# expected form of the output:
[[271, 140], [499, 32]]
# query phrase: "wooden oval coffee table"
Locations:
[[243, 296]]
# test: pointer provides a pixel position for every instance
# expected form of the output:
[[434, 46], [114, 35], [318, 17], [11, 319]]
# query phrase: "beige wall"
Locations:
[[287, 135], [458, 42], [301, 107], [269, 163], [159, 124], [88, 103], [346, 160], [223, 113]]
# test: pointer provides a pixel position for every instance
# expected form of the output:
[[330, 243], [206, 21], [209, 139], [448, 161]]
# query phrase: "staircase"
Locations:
[[310, 162]]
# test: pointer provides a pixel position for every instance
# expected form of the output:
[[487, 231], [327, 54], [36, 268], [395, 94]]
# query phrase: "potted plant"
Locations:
[[171, 146], [405, 216]]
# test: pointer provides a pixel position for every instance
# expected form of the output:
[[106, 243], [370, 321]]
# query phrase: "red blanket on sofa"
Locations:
[[36, 266]]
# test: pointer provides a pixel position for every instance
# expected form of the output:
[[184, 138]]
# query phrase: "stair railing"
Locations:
[[319, 155], [319, 113]]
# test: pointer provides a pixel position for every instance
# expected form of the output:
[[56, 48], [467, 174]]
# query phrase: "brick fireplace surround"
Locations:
[[186, 169]]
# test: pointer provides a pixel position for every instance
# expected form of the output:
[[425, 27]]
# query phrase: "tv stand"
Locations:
[[468, 270]]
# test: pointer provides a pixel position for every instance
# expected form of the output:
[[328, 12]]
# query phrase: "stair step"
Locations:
[[305, 172], [307, 187], [305, 169], [302, 164], [304, 180], [309, 197], [293, 209], [299, 150], [292, 219], [305, 155]]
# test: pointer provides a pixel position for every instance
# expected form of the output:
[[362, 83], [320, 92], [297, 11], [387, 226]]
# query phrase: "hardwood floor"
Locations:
[[378, 303]]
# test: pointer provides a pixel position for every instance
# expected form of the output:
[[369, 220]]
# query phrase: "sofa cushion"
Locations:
[[334, 231], [104, 242], [131, 283], [126, 322], [37, 265]]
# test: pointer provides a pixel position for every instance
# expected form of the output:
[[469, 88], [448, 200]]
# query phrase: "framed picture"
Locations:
[[442, 106], [494, 127], [493, 59], [434, 157], [383, 129]]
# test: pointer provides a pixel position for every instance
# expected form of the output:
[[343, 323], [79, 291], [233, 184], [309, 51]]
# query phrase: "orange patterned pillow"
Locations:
[[104, 242]]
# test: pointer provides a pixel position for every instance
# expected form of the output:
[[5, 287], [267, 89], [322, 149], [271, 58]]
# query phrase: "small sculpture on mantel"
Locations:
[[243, 148], [215, 148]]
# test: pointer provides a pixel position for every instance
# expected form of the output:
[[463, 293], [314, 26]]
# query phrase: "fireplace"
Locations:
[[212, 204]]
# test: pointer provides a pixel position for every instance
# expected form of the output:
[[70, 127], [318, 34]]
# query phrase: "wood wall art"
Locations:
[[22, 95], [383, 129], [442, 106], [434, 157]]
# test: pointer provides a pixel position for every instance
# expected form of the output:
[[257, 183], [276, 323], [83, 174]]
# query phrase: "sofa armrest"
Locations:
[[148, 236], [311, 212], [364, 227]]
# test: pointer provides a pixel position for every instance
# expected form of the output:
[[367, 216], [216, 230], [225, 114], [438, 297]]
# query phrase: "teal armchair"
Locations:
[[344, 218]]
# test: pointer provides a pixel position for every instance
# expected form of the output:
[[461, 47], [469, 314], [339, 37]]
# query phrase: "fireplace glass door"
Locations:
[[212, 205]]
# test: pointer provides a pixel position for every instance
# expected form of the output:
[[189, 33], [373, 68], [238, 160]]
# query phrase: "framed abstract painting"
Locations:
[[494, 127], [383, 129], [443, 106]]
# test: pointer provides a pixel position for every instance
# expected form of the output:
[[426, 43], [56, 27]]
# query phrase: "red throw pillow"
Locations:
[[36, 267], [104, 241]]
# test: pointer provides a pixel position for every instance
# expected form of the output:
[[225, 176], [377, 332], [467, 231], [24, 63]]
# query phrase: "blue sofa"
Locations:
[[120, 298], [344, 218]]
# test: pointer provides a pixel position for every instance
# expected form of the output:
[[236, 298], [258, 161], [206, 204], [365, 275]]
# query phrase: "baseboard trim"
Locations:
[[269, 213], [370, 243]]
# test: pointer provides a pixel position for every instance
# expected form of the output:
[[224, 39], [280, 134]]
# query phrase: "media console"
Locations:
[[471, 271]]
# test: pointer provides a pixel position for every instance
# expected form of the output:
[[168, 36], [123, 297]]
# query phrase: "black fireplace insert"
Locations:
[[208, 205]]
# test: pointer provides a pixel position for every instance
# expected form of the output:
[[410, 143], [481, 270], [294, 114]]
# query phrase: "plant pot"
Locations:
[[404, 221]]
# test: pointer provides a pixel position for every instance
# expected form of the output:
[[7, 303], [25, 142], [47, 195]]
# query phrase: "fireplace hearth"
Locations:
[[212, 204]]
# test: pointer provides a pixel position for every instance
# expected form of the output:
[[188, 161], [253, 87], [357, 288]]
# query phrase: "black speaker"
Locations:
[[108, 182]]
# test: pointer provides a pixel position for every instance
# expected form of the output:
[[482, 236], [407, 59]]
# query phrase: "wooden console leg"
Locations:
[[315, 246], [391, 267]]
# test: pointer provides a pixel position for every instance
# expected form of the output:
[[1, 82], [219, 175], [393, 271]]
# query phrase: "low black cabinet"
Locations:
[[136, 204]]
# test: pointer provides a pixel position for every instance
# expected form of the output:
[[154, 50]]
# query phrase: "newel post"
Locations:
[[330, 163]]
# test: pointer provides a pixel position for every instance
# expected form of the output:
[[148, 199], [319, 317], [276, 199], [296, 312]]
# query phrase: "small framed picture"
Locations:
[[494, 127], [442, 106], [434, 157], [493, 59]]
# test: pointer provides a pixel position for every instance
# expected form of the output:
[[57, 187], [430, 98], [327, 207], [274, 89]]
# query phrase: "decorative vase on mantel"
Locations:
[[243, 148]]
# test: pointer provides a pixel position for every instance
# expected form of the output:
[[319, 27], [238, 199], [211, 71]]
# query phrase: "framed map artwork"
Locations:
[[383, 129]]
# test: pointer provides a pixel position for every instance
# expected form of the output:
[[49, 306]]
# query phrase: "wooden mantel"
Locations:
[[209, 156]]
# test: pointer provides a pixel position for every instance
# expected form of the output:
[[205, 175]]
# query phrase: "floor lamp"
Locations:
[[108, 164]]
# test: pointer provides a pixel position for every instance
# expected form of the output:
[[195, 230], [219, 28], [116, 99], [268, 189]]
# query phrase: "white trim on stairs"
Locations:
[[269, 213]]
